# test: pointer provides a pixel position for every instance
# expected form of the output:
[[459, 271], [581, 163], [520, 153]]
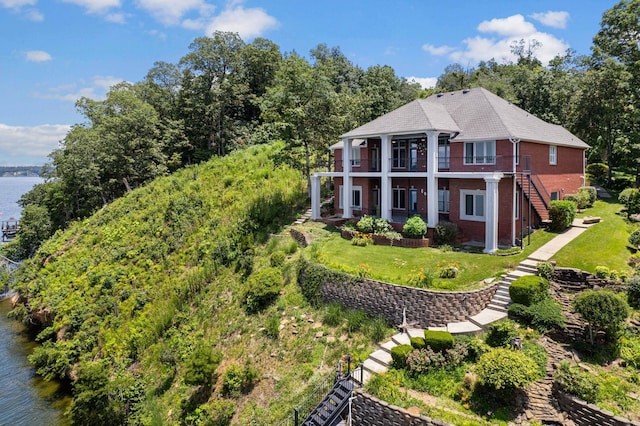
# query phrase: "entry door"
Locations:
[[375, 196]]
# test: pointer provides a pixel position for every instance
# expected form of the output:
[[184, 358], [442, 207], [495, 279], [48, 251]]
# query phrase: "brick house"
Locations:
[[468, 157]]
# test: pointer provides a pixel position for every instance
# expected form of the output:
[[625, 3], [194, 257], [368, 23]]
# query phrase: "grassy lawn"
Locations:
[[398, 265], [604, 244]]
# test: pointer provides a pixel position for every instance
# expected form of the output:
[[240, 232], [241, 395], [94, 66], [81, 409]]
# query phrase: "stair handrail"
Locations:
[[539, 187]]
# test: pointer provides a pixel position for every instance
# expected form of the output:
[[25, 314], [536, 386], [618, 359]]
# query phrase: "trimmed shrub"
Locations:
[[633, 203], [591, 193], [415, 227], [634, 238], [420, 361], [561, 214], [506, 369], [602, 272], [603, 310], [545, 269], [546, 315], [581, 199], [529, 289], [499, 334], [445, 233], [262, 288], [418, 342], [598, 172], [475, 347], [633, 290], [625, 195], [518, 311], [438, 340], [399, 355]]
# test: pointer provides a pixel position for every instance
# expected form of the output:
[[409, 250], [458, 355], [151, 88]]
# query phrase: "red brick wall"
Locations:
[[566, 177]]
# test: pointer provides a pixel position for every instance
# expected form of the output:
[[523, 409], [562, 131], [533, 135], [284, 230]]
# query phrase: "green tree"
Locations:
[[603, 310]]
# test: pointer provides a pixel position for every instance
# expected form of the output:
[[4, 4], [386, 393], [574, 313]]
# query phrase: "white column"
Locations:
[[347, 212], [315, 197], [491, 214], [385, 180], [432, 180]]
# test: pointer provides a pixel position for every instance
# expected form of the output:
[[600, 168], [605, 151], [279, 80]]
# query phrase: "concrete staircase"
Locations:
[[380, 360]]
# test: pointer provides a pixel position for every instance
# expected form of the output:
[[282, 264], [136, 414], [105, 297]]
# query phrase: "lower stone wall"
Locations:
[[369, 411], [584, 414], [299, 237], [576, 280], [425, 308]]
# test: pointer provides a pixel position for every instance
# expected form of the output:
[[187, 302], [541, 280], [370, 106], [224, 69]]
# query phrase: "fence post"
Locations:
[[295, 417]]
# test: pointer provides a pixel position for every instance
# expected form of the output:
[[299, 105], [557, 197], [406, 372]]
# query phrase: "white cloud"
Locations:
[[499, 34], [437, 50], [116, 18], [95, 6], [17, 4], [425, 82], [513, 26], [34, 15], [96, 89], [30, 145], [37, 56], [554, 19], [248, 23], [170, 12]]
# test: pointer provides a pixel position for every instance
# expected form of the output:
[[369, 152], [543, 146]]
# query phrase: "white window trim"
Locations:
[[353, 189], [393, 193], [444, 200], [475, 156], [474, 193], [553, 155], [355, 156]]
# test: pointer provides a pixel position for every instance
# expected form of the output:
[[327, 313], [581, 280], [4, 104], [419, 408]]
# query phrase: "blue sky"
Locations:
[[52, 52]]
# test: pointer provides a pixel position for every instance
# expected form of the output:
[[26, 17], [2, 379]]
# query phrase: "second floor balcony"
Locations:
[[493, 163]]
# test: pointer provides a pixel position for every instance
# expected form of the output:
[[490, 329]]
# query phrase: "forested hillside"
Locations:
[[155, 308]]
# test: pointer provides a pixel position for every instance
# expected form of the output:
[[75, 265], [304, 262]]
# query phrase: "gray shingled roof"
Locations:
[[476, 114]]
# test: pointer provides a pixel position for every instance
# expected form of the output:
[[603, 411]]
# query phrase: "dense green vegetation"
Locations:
[[143, 307]]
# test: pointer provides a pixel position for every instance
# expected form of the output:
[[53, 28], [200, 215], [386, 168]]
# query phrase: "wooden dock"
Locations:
[[10, 228]]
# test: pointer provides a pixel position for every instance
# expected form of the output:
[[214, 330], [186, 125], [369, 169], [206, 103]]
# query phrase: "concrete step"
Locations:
[[486, 317], [499, 308], [415, 332], [464, 327], [530, 263], [387, 346], [527, 269], [501, 298], [437, 329], [373, 367], [503, 303], [514, 275], [401, 339], [381, 357]]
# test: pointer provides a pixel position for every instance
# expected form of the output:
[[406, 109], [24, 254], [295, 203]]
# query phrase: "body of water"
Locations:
[[25, 399]]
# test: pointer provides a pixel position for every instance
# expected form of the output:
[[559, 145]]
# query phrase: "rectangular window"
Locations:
[[443, 151], [413, 200], [413, 157], [374, 159], [399, 200], [517, 153], [555, 195], [356, 197], [355, 156], [480, 152], [443, 200], [399, 155], [472, 205], [553, 154]]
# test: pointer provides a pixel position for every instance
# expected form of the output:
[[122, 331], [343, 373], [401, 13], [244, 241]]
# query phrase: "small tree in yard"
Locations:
[[603, 309]]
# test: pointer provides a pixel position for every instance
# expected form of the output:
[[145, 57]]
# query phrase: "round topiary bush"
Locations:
[[506, 369], [597, 172], [500, 334], [529, 289], [399, 355], [603, 310], [438, 340], [561, 214], [415, 227], [262, 288], [633, 290]]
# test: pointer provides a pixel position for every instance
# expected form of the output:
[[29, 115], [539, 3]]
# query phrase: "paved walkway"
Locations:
[[380, 360]]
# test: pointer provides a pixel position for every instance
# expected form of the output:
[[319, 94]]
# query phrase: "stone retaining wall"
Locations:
[[426, 308], [584, 414], [300, 237], [576, 280], [369, 411]]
